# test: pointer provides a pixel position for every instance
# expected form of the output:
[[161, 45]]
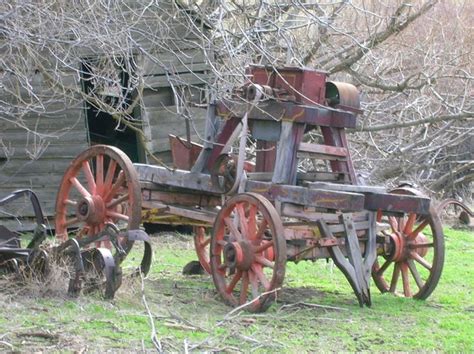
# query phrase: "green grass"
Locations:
[[188, 312]]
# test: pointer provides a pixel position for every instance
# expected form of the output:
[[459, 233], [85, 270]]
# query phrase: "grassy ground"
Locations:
[[188, 314]]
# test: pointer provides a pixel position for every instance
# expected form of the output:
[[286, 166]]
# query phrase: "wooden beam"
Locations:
[[319, 198]]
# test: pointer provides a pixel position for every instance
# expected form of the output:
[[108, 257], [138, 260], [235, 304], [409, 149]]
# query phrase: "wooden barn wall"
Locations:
[[36, 150]]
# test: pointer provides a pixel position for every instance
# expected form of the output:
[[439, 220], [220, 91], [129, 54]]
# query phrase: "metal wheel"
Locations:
[[201, 244], [99, 193], [248, 252], [415, 251]]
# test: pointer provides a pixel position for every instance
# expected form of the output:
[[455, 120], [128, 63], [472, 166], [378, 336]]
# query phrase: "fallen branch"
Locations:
[[154, 338], [313, 305], [238, 308], [2, 342]]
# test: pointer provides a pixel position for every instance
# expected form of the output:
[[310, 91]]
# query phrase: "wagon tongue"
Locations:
[[356, 267]]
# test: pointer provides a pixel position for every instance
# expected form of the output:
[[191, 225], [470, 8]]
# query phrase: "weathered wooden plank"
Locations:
[[323, 176], [285, 161], [164, 121], [326, 199], [179, 198], [32, 167], [178, 80], [176, 178], [397, 203], [188, 61], [319, 151], [346, 187], [311, 214], [289, 111]]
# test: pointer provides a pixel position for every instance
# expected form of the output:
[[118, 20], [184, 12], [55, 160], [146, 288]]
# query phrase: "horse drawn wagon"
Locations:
[[287, 198]]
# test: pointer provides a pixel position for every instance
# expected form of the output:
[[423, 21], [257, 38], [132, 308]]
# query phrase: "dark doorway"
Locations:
[[109, 82]]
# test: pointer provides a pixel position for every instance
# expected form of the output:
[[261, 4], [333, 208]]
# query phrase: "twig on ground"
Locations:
[[238, 308], [2, 342], [312, 305], [44, 335], [154, 338]]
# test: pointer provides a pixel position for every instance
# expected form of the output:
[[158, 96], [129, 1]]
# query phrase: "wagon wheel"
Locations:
[[248, 252], [415, 251], [224, 172], [201, 244], [99, 189]]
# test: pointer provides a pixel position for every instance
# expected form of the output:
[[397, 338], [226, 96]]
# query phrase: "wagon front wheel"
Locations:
[[413, 256], [248, 252], [99, 195]]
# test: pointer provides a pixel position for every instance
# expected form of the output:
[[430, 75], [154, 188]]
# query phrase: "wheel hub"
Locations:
[[91, 210], [401, 246], [238, 255]]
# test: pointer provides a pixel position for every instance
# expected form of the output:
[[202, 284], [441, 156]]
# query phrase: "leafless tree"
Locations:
[[411, 61]]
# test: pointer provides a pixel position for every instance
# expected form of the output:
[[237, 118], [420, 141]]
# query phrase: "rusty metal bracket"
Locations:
[[357, 266], [101, 261], [140, 235], [74, 250]]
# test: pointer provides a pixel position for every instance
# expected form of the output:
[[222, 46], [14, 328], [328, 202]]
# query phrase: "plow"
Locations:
[[293, 196]]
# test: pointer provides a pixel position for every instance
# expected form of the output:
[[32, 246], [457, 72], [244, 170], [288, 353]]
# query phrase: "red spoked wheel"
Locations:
[[248, 252], [99, 191], [201, 244], [415, 252]]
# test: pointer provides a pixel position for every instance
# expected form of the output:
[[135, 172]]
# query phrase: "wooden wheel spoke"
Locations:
[[233, 282], [401, 223], [70, 222], [233, 229], [418, 229], [420, 245], [395, 275], [409, 223], [244, 288], [80, 188], [415, 274], [243, 222], [222, 266], [70, 202], [99, 174], [252, 221], [261, 229], [204, 243], [257, 269], [109, 177], [117, 215], [263, 246], [384, 267], [253, 284], [421, 260], [115, 187], [405, 280], [117, 201], [265, 262], [86, 168], [393, 223]]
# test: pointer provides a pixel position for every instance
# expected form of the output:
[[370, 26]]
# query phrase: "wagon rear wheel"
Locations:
[[248, 252], [100, 191], [413, 259]]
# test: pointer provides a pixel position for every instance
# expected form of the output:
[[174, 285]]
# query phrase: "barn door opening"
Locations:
[[107, 82]]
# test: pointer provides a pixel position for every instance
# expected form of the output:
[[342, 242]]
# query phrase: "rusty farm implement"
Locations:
[[97, 223]]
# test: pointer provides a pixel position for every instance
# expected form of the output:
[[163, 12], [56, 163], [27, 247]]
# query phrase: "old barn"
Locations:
[[47, 116]]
